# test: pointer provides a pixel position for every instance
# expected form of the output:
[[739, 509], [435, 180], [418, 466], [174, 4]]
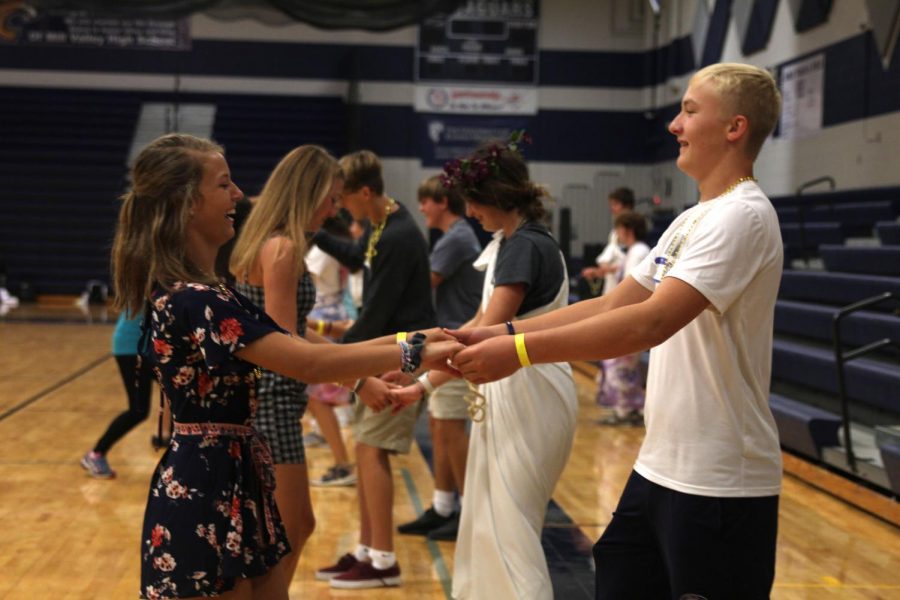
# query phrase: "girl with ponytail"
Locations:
[[212, 527]]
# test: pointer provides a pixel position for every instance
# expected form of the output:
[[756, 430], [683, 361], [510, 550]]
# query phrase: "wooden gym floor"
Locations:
[[64, 535]]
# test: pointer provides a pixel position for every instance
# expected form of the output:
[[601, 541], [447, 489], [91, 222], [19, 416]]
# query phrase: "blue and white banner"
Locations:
[[22, 24], [802, 97], [446, 137]]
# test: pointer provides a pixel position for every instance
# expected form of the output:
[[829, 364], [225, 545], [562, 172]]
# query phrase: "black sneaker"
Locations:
[[446, 532], [426, 522]]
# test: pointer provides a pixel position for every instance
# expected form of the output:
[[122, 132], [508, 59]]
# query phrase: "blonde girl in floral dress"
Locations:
[[211, 527]]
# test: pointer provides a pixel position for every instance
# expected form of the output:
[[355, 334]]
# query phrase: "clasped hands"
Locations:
[[477, 354]]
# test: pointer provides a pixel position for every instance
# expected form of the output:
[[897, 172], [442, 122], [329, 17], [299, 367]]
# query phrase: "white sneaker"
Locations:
[[8, 299]]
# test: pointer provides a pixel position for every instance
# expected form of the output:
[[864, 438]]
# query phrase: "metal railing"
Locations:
[[841, 358], [803, 206]]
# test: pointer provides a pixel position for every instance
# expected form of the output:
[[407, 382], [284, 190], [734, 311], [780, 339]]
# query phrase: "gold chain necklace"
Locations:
[[731, 187], [371, 252]]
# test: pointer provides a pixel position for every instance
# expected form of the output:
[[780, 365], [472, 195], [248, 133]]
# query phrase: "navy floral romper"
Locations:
[[211, 516]]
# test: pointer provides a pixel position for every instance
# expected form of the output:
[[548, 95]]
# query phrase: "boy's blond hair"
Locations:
[[749, 91]]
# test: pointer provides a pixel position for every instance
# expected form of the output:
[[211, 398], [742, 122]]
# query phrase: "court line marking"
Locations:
[[838, 586], [439, 565], [53, 387]]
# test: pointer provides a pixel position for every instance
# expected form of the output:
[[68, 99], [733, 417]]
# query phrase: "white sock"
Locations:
[[362, 552], [382, 560], [444, 502]]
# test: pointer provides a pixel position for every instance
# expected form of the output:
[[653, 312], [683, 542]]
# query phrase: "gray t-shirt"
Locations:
[[458, 295], [531, 257]]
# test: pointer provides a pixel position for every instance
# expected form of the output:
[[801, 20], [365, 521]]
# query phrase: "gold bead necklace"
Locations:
[[731, 187], [371, 252]]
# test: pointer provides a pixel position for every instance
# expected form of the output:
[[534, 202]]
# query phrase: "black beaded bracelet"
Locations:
[[510, 329], [411, 353]]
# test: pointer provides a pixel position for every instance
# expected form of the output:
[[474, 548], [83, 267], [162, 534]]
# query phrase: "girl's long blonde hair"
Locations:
[[149, 246], [295, 190]]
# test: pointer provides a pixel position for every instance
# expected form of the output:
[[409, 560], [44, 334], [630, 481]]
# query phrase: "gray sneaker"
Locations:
[[336, 476], [95, 464], [634, 418], [313, 439]]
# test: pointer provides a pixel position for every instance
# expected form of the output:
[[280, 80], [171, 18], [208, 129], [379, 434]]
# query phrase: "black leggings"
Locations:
[[138, 387]]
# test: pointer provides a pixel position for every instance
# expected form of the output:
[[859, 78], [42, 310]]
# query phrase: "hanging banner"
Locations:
[[483, 100], [481, 59], [446, 137], [802, 88], [22, 24]]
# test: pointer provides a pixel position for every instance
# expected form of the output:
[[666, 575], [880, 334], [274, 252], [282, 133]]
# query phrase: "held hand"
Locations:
[[405, 396], [489, 360], [398, 377], [375, 393], [473, 335], [436, 334], [436, 355]]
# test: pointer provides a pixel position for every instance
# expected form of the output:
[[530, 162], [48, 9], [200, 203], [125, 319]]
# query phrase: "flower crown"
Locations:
[[466, 173]]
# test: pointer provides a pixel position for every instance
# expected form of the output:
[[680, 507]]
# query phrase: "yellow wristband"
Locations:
[[320, 327], [401, 336], [521, 350]]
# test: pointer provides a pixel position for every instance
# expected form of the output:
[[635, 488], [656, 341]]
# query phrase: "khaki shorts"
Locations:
[[449, 402], [385, 430]]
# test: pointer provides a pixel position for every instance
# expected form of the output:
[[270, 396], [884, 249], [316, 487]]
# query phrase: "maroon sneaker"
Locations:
[[344, 564], [363, 575]]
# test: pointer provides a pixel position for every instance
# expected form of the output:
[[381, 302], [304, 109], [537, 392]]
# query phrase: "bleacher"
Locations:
[[839, 251], [63, 167], [840, 248], [258, 130]]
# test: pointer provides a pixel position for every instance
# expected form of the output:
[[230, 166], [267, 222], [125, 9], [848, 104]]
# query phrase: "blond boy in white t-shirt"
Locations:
[[698, 517]]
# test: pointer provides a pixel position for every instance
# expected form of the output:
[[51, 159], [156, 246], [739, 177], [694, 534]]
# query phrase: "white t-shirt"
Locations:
[[326, 272], [611, 255], [634, 256], [709, 428]]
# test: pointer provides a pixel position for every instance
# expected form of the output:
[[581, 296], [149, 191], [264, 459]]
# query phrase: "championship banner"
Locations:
[[802, 92]]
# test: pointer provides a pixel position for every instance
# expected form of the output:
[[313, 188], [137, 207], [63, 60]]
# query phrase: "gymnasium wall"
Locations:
[[609, 80]]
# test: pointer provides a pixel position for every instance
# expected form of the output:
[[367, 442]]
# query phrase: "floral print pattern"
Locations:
[[620, 384], [205, 523]]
